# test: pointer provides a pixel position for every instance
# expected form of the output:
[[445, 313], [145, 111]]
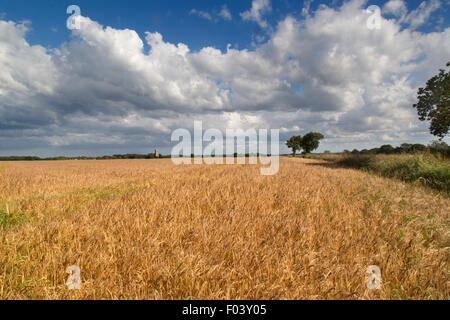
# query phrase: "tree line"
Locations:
[[113, 157], [435, 147]]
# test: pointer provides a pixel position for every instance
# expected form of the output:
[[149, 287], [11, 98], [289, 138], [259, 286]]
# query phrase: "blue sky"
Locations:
[[293, 65], [172, 18]]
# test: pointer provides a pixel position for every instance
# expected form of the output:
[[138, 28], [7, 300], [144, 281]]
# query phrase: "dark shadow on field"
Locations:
[[324, 163], [329, 165]]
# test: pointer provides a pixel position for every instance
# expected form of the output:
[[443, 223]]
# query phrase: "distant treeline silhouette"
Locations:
[[435, 147], [113, 157]]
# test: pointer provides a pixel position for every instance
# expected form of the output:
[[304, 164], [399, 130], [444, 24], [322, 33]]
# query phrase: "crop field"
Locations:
[[147, 229]]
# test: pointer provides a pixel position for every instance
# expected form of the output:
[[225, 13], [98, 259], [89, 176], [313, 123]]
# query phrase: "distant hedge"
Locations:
[[116, 156], [435, 148]]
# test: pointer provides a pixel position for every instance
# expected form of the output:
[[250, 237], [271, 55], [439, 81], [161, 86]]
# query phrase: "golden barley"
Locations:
[[146, 229]]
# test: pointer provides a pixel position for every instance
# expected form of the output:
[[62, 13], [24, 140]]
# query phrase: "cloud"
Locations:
[[103, 92], [258, 9], [225, 13], [395, 7], [414, 18], [306, 7], [201, 14], [419, 16]]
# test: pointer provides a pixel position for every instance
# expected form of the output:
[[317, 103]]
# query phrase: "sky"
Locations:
[[136, 71]]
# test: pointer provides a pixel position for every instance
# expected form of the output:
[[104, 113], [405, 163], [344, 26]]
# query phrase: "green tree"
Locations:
[[418, 147], [406, 147], [439, 146], [311, 141], [365, 151], [434, 103], [386, 149], [294, 144]]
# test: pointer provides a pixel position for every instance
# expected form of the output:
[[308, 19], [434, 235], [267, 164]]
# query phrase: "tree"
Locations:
[[386, 149], [418, 147], [294, 143], [434, 103], [311, 141], [406, 147], [439, 146]]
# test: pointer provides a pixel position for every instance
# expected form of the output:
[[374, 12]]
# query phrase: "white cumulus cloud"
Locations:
[[257, 11], [325, 72]]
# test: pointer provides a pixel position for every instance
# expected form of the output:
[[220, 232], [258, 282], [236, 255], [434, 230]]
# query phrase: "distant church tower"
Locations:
[[156, 153]]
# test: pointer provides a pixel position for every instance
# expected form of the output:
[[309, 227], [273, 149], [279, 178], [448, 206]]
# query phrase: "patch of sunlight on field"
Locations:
[[146, 229]]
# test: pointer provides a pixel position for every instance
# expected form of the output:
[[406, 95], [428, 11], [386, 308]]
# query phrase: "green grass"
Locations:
[[10, 218], [424, 169]]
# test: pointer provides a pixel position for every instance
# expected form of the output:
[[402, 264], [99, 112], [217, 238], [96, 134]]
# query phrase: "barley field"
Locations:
[[147, 229]]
